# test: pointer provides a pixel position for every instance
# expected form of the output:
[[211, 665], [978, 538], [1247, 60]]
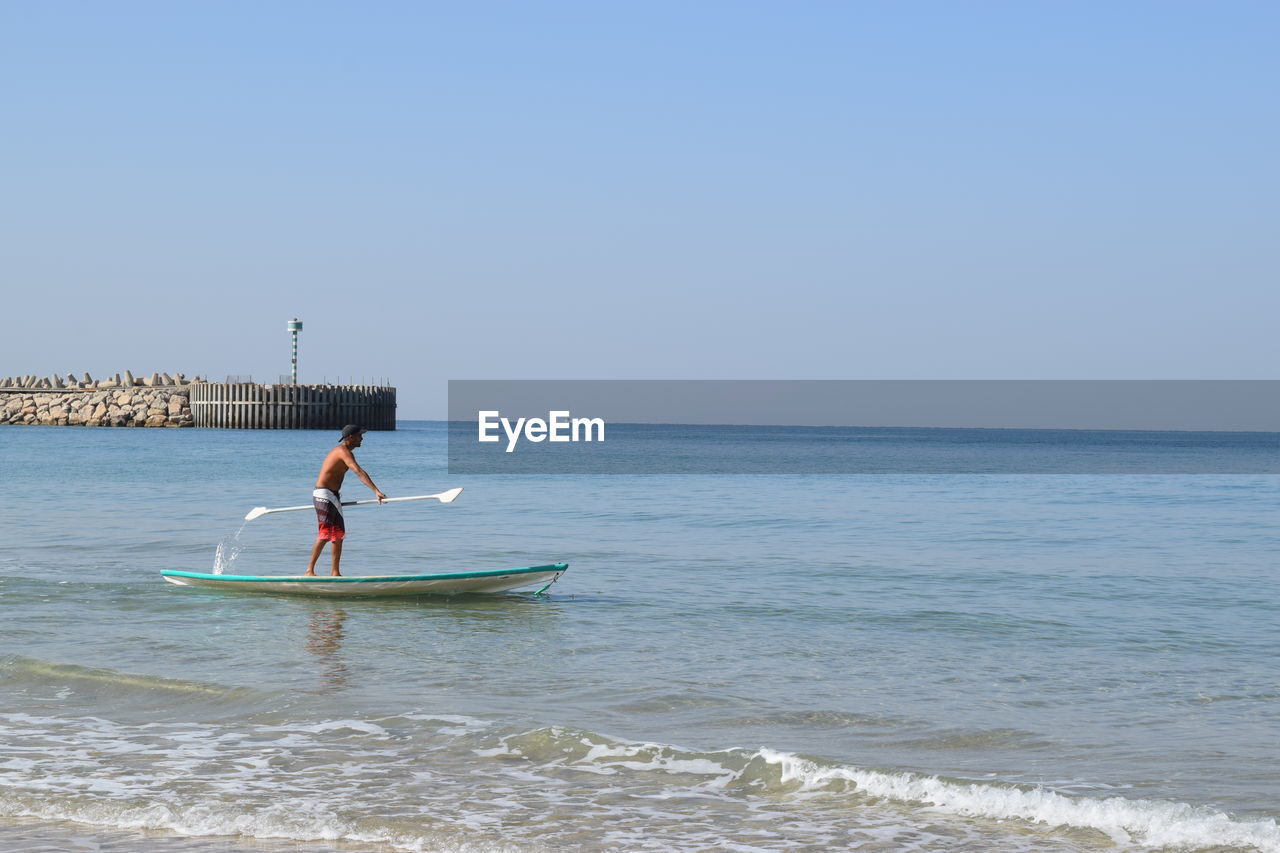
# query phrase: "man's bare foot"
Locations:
[[308, 574], [335, 574]]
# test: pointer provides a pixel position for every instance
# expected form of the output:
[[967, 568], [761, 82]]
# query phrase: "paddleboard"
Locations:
[[350, 586]]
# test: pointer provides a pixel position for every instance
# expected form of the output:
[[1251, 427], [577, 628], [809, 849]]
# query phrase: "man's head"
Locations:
[[353, 434]]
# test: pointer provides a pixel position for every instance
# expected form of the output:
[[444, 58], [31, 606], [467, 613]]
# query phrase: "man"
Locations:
[[328, 505]]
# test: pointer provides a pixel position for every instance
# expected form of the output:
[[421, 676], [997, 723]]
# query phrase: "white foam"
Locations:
[[650, 756], [352, 725], [1149, 822], [352, 779], [469, 722], [292, 821]]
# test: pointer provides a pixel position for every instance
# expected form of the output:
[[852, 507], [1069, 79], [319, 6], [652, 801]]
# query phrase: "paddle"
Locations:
[[443, 497]]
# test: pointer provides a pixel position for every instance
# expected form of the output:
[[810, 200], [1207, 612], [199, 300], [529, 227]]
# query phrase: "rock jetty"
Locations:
[[122, 400]]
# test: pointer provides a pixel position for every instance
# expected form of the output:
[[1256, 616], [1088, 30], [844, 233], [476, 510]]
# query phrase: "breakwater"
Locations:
[[165, 400], [159, 400], [245, 405]]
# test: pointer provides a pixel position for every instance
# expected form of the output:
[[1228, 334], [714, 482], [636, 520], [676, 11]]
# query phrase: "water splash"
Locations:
[[227, 551]]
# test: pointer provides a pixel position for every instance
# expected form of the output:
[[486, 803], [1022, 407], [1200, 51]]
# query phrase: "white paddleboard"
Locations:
[[450, 583]]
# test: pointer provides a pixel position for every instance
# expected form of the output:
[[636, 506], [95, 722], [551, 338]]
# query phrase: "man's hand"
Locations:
[[381, 496]]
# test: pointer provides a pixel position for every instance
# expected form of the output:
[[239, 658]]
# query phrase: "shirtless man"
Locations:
[[328, 505]]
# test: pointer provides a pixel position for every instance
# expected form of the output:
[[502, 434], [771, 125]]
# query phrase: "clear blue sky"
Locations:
[[557, 190]]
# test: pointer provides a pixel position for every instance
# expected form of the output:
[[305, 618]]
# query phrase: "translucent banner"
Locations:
[[864, 427]]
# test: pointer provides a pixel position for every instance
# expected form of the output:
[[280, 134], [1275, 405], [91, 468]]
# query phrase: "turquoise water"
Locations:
[[751, 662]]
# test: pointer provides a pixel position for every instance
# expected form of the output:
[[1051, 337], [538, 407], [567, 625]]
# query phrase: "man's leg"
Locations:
[[337, 557], [315, 555]]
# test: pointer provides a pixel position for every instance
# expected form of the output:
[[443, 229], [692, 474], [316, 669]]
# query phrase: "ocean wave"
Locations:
[[1137, 822], [19, 668], [290, 821], [436, 781], [1150, 823]]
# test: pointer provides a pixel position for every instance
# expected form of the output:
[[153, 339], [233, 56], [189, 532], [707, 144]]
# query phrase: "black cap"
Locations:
[[352, 429]]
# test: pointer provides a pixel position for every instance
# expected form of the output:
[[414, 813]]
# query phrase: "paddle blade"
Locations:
[[449, 496], [256, 512]]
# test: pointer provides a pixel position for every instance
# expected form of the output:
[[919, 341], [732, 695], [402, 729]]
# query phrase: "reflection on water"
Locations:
[[508, 626], [324, 640]]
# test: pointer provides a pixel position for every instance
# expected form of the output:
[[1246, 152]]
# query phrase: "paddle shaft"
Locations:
[[388, 500]]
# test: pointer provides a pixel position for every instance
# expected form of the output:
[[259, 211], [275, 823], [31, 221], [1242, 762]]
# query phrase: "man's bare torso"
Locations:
[[334, 468]]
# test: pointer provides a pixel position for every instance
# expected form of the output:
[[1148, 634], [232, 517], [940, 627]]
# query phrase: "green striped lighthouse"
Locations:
[[295, 326]]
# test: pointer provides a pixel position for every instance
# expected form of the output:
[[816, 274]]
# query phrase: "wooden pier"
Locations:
[[247, 405]]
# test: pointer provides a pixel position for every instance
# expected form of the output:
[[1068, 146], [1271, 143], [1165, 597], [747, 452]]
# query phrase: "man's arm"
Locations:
[[355, 468]]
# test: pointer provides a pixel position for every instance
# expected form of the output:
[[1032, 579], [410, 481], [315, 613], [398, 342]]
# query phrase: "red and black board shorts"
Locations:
[[329, 514]]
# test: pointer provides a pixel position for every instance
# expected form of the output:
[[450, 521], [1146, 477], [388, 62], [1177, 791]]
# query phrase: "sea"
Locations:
[[995, 662]]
